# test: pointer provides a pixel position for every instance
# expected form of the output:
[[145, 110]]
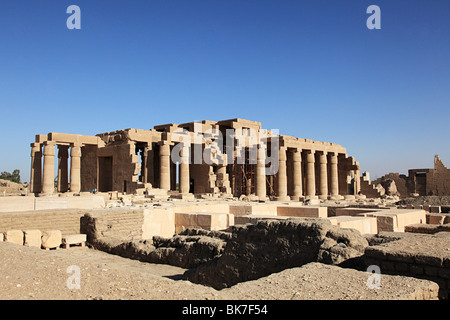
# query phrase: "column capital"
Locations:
[[165, 142], [35, 147], [49, 148], [333, 157], [310, 156], [323, 158], [75, 150], [297, 155]]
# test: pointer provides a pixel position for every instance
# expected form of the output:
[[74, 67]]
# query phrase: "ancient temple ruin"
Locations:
[[136, 161]]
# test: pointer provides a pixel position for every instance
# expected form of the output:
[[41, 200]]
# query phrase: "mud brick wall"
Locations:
[[66, 220], [420, 256]]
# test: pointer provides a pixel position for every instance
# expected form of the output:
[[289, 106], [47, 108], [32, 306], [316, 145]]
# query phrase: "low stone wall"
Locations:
[[31, 203], [415, 255], [68, 220]]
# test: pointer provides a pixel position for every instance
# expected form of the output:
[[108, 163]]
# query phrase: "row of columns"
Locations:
[[310, 175], [43, 175], [165, 162]]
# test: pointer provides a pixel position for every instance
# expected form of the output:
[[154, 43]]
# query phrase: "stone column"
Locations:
[[334, 177], [357, 181], [184, 171], [261, 173], [48, 183], [282, 177], [63, 168], [310, 175], [146, 164], [323, 182], [164, 177], [36, 168], [297, 178], [75, 168]]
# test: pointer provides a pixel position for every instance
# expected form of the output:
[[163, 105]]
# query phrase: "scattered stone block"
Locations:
[[395, 220], [32, 238], [204, 220], [51, 239], [302, 211], [14, 236], [73, 239], [365, 225], [256, 209], [353, 211]]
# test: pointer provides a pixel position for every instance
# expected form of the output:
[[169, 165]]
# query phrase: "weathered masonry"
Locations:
[[137, 161]]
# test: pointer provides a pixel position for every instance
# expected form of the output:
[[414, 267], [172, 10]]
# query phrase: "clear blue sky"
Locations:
[[309, 68]]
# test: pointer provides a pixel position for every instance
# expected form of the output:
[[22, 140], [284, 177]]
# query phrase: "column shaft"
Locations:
[[334, 182], [297, 179], [48, 183], [184, 171], [164, 179], [282, 177], [310, 175], [261, 174], [75, 169], [323, 182]]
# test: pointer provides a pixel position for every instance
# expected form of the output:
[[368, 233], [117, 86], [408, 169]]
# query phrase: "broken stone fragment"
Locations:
[[51, 239]]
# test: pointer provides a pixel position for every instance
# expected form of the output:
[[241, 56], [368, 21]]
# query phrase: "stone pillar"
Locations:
[[334, 177], [310, 175], [145, 163], [184, 171], [323, 182], [63, 168], [357, 182], [48, 183], [36, 168], [261, 173], [282, 177], [164, 177], [75, 168], [297, 178]]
